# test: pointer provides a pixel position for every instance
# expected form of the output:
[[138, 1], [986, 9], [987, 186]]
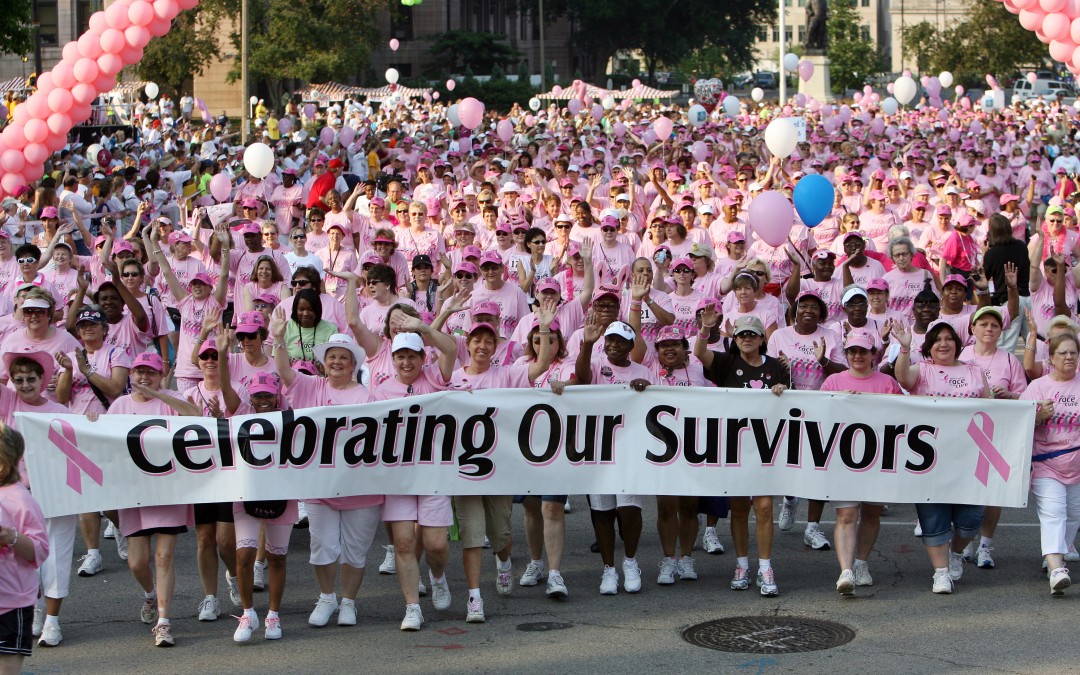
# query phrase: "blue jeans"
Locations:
[[941, 522]]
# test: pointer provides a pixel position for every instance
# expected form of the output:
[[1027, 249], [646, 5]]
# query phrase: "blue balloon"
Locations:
[[813, 197]]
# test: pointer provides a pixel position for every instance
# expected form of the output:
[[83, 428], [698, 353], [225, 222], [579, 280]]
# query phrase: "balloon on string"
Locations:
[[800, 100], [326, 135], [450, 84], [534, 104], [781, 137], [731, 106], [92, 152], [699, 151], [435, 95], [392, 75], [813, 196], [597, 112], [662, 126], [890, 105], [608, 102], [345, 136], [221, 187], [904, 89], [574, 106], [452, 115], [757, 93], [529, 120], [309, 111], [946, 78], [806, 70], [285, 125], [394, 44], [259, 160], [104, 158], [504, 130], [151, 90], [959, 90], [697, 115], [771, 217], [791, 62]]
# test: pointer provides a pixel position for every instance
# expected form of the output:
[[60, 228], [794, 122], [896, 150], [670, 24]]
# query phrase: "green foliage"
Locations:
[[523, 71], [921, 42], [497, 73], [852, 59], [479, 52], [184, 52], [496, 94], [16, 33]]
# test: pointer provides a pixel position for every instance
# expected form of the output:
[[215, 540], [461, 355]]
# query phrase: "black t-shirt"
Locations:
[[730, 370], [994, 263]]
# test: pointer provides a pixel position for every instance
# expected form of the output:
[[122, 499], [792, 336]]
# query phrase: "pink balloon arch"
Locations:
[[40, 125]]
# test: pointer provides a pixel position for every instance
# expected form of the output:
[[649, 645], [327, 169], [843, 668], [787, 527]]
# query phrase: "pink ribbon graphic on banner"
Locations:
[[983, 435], [77, 463]]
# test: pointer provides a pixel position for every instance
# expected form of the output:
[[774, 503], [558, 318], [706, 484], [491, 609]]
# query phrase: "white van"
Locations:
[[1046, 88]]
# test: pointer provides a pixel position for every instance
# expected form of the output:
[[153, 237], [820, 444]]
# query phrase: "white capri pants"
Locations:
[[612, 502], [1059, 513], [342, 536], [55, 572]]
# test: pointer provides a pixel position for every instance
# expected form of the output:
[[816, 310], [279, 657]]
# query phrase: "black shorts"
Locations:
[[16, 637], [151, 531], [215, 512]]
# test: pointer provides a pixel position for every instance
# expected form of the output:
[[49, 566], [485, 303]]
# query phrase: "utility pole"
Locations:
[[244, 104]]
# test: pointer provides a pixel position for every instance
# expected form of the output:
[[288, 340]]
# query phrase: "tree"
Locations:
[[920, 42], [480, 52], [963, 51], [16, 32], [185, 51], [852, 59]]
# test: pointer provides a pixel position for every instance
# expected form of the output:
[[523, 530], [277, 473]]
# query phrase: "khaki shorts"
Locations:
[[479, 515]]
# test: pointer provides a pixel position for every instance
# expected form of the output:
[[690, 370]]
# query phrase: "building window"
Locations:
[[802, 3], [401, 23], [83, 10], [802, 34], [48, 22], [523, 26], [864, 33], [763, 34], [775, 34], [787, 34], [864, 3]]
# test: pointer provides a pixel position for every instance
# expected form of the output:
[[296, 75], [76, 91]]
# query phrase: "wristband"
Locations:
[[703, 334], [905, 350]]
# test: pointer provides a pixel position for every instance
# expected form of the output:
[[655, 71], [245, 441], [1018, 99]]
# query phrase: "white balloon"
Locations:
[[757, 94], [780, 137], [534, 104], [392, 75], [904, 89], [259, 160], [151, 90], [890, 105], [791, 62], [451, 114], [608, 102], [697, 115], [92, 153], [731, 106], [946, 79]]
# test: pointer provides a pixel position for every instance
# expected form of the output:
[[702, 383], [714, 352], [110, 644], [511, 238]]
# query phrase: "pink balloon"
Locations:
[[619, 129], [663, 126], [59, 123], [394, 44], [574, 106], [116, 15], [137, 36], [635, 84], [83, 94], [1052, 5], [1025, 4], [800, 100], [857, 96], [309, 111], [60, 100], [470, 112], [529, 120], [345, 136], [12, 182], [131, 54], [326, 136], [14, 135], [1031, 19], [45, 83], [86, 70], [36, 153], [597, 112], [110, 64], [435, 95], [166, 9], [221, 187], [36, 131], [771, 217], [97, 23], [699, 151], [70, 52], [504, 130], [1060, 51], [889, 87], [105, 83], [649, 137], [56, 142], [450, 84], [1042, 36], [159, 27], [907, 73], [112, 41], [965, 103], [90, 45], [38, 106], [12, 161], [141, 13], [79, 112], [285, 126], [959, 90], [1074, 30], [806, 70], [1056, 26]]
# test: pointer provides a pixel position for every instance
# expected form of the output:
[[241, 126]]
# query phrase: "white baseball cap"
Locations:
[[411, 341], [622, 329]]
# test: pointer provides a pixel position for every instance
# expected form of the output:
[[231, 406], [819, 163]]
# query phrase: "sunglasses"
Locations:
[[483, 201], [299, 236], [260, 305], [131, 275], [502, 234], [490, 268], [318, 220], [246, 336], [19, 381], [26, 261], [760, 273], [539, 242], [35, 310], [211, 355], [564, 227], [301, 282], [607, 229], [464, 275]]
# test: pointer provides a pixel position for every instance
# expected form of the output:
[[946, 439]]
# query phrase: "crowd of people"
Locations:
[[418, 258]]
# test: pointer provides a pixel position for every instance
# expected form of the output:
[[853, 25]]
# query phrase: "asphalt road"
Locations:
[[1000, 620]]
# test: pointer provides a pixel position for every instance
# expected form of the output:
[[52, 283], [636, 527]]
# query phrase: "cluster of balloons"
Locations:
[[804, 68], [1056, 23], [468, 113], [771, 215], [88, 67]]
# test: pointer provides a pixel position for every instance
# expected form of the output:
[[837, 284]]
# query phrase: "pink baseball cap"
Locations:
[[735, 236], [944, 210], [148, 360], [268, 298], [250, 322], [264, 383], [180, 238], [955, 279], [601, 291], [491, 257], [122, 247], [878, 284], [204, 278], [249, 227], [371, 258], [671, 332], [465, 266], [684, 261], [488, 307], [548, 284], [822, 254], [472, 251], [377, 201], [49, 212], [858, 337], [483, 325], [504, 227], [1007, 197], [208, 345], [250, 203]]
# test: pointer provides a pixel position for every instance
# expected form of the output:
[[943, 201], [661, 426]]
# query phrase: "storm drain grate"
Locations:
[[542, 626], [768, 635]]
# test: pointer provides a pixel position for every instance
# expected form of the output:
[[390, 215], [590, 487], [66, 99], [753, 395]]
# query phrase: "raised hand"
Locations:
[[709, 316], [459, 300], [902, 335], [277, 325], [592, 330], [639, 288], [63, 361], [819, 349], [1010, 275]]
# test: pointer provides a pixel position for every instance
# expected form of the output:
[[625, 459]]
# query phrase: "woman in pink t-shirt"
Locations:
[[265, 278], [742, 300], [946, 528], [1055, 462], [39, 333]]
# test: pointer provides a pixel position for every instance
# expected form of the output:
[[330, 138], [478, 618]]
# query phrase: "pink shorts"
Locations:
[[278, 530], [425, 510]]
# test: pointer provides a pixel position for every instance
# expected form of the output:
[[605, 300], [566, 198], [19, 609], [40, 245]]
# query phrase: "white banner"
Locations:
[[219, 213], [596, 439]]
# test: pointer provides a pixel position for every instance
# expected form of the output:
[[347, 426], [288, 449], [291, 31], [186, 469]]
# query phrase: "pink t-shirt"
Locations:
[[1060, 432], [125, 335], [605, 372], [192, 314], [807, 373], [877, 383], [512, 301], [429, 382], [865, 274], [19, 583], [1042, 300], [831, 291], [495, 377], [692, 375], [960, 381], [83, 398], [59, 341], [374, 315], [903, 287], [1002, 369]]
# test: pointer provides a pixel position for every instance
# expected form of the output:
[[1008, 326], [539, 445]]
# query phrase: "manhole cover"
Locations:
[[768, 635], [541, 626]]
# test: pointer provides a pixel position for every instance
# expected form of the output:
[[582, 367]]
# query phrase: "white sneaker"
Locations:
[[609, 582], [1071, 555], [122, 547], [631, 576], [816, 540], [346, 615], [475, 611], [666, 577], [566, 507], [258, 582], [787, 514], [91, 564], [39, 618], [389, 563], [983, 559], [766, 581], [943, 582], [504, 580], [556, 587], [440, 592], [414, 618], [845, 585], [110, 530], [711, 542], [273, 628], [148, 612], [248, 623], [50, 635], [685, 568], [208, 609], [969, 551], [741, 580], [956, 566], [862, 574], [1059, 581], [918, 529], [324, 609], [534, 573], [234, 589]]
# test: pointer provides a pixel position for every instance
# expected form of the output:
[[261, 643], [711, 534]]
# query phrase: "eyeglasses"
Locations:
[[130, 275], [35, 310], [502, 234], [211, 355], [1049, 220], [607, 229], [564, 227], [318, 220], [261, 305], [490, 268], [539, 242], [26, 261], [1067, 355], [301, 282], [760, 273], [483, 201], [682, 270], [299, 236], [19, 381], [243, 337], [270, 234], [464, 275]]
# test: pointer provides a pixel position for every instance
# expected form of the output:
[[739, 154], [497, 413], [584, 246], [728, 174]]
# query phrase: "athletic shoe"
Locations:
[[956, 566], [324, 609], [918, 529], [39, 619], [534, 573], [667, 572], [110, 530], [787, 514], [845, 585], [969, 551], [301, 516], [609, 582], [711, 543], [248, 623], [414, 618], [163, 636], [766, 580], [440, 592], [1059, 581], [943, 582], [631, 576], [475, 611], [816, 540], [566, 507], [50, 635], [346, 615], [273, 628], [148, 613], [862, 574], [422, 589], [487, 542], [122, 547], [983, 558], [685, 568], [258, 583], [556, 588], [741, 580], [208, 609], [1071, 555], [504, 580], [91, 564], [234, 589], [389, 563]]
